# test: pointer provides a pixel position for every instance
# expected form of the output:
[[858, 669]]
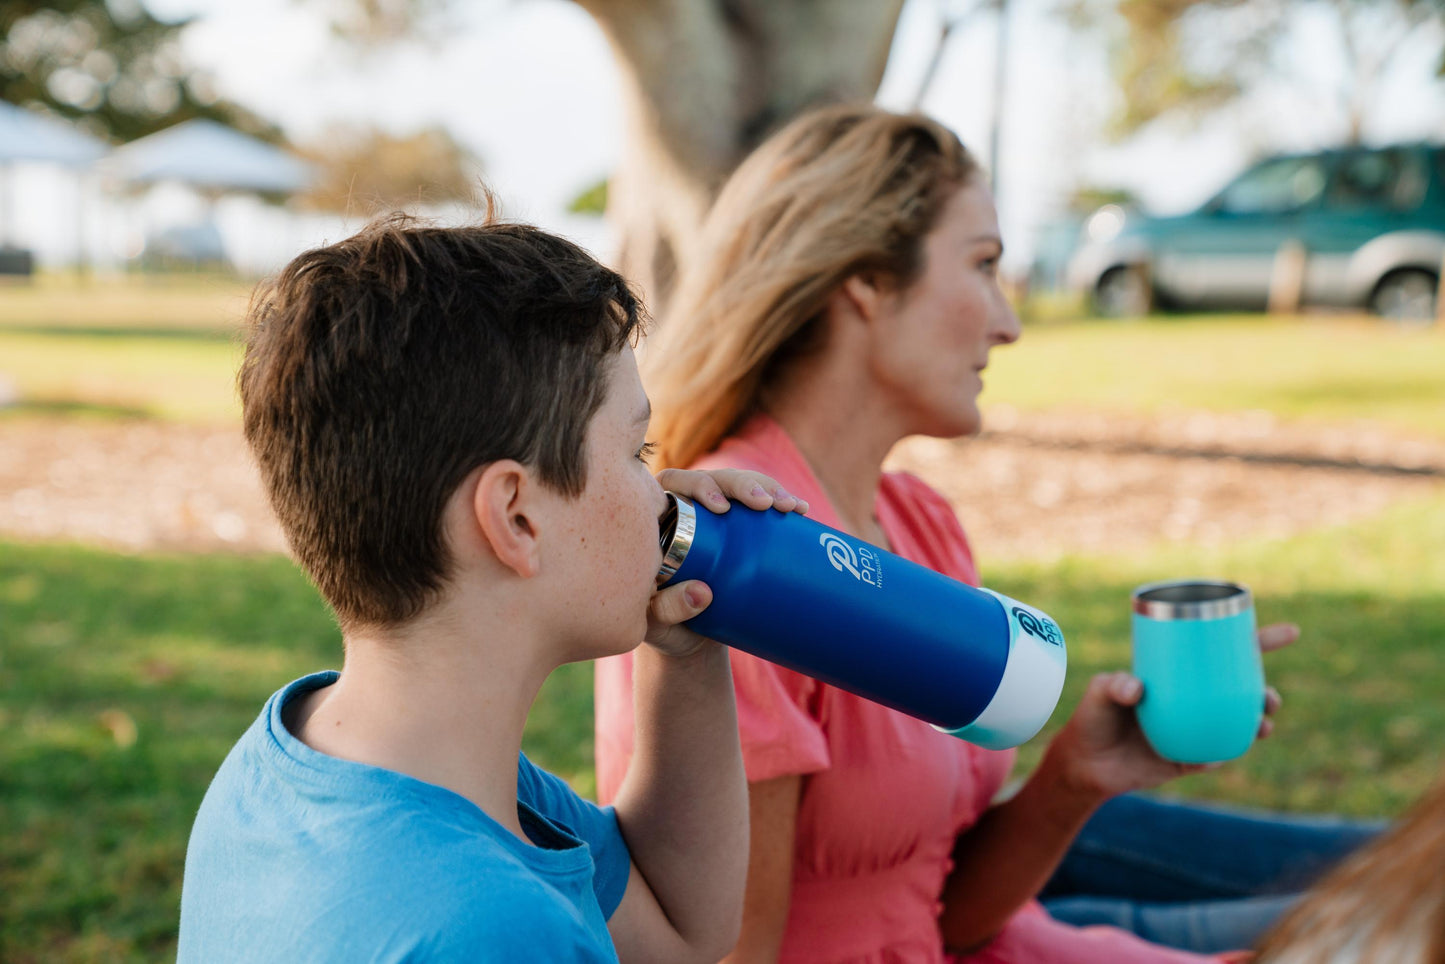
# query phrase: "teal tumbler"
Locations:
[[1196, 653]]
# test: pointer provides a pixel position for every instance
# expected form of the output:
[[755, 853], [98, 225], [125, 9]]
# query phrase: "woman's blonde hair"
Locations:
[[838, 192], [1384, 905]]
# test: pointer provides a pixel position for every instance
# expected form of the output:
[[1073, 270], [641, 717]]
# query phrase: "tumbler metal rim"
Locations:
[[1153, 600], [676, 530]]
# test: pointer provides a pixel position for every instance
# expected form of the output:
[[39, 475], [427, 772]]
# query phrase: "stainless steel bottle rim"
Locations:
[[1191, 599], [676, 530]]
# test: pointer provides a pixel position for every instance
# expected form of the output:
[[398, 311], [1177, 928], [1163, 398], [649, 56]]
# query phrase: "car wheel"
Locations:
[[1123, 292], [1407, 295]]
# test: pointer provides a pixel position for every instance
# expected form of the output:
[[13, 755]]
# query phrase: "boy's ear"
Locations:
[[504, 503]]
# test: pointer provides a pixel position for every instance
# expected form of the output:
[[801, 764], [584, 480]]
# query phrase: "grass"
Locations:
[[131, 346], [124, 680], [177, 377], [134, 303], [1319, 368], [1357, 733], [167, 348]]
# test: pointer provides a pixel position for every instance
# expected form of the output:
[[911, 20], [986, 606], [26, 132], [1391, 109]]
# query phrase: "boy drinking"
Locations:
[[451, 428]]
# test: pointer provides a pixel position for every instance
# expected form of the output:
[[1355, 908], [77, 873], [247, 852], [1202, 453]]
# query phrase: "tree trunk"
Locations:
[[704, 82]]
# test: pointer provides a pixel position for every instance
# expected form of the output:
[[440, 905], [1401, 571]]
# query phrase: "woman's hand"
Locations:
[[1101, 752], [716, 490]]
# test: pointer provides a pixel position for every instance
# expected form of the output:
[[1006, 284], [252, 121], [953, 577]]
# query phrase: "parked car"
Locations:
[[1355, 227]]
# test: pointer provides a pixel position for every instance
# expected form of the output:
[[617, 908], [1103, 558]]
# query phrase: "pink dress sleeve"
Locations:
[[777, 720]]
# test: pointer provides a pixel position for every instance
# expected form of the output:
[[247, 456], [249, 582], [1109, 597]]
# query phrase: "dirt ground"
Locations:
[[1031, 486]]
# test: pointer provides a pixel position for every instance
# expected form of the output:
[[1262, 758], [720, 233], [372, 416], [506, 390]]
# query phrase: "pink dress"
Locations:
[[884, 795]]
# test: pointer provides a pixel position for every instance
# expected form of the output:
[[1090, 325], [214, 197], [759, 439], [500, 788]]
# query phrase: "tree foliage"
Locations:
[[111, 66], [703, 82], [1192, 56], [366, 171]]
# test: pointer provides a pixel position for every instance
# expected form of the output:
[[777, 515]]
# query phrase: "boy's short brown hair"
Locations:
[[379, 371]]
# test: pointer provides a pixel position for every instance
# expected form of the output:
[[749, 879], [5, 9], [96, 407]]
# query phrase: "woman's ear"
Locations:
[[504, 504], [861, 296]]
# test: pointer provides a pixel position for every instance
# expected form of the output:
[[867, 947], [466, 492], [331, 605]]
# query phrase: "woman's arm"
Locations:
[[773, 814], [1006, 858]]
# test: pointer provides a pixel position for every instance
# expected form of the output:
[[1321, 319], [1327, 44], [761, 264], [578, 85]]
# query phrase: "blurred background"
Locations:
[[1225, 227]]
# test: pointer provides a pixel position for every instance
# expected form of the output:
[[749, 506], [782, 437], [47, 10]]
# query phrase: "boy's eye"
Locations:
[[645, 453]]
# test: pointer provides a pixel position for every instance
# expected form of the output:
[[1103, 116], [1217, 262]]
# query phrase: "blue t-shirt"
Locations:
[[297, 856]]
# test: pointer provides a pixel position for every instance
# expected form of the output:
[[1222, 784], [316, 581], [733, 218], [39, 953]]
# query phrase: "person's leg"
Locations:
[[1155, 851], [1204, 927]]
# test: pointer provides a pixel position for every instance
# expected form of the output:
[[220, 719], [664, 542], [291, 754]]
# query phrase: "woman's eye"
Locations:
[[645, 453]]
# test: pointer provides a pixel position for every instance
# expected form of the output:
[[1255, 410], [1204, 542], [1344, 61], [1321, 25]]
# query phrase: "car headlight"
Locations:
[[1105, 224]]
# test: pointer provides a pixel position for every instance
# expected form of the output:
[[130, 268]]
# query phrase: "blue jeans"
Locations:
[[1204, 879]]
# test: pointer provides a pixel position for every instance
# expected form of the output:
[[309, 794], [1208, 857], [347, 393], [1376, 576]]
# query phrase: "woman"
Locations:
[[847, 296]]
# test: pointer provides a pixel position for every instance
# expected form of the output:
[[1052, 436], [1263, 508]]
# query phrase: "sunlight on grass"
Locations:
[[137, 302], [108, 350], [1317, 368], [164, 377], [125, 679], [1361, 688]]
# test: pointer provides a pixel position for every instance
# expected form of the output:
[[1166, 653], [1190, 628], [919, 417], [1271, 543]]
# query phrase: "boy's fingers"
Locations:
[[754, 490], [716, 488], [1277, 636], [700, 487], [677, 604]]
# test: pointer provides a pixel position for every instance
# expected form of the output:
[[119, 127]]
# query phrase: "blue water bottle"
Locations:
[[983, 667]]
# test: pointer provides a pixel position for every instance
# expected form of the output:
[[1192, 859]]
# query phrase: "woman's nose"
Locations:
[[1007, 328]]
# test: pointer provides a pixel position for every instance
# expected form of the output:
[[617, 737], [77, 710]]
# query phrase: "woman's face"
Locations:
[[930, 340]]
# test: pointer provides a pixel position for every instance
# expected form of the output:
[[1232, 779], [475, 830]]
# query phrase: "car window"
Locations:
[[1275, 187], [1379, 179]]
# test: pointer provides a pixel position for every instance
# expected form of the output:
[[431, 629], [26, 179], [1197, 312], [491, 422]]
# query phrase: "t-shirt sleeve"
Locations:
[[597, 826], [778, 719]]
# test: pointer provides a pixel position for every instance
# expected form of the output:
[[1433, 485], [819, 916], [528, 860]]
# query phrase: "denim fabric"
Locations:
[[1203, 879]]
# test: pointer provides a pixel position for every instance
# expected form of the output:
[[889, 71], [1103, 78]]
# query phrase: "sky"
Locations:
[[531, 86]]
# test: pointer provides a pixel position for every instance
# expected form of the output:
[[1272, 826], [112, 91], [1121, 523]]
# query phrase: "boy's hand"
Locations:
[[716, 491]]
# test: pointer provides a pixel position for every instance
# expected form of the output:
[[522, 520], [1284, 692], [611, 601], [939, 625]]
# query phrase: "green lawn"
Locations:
[[167, 348], [163, 347], [1320, 368], [123, 681], [135, 303]]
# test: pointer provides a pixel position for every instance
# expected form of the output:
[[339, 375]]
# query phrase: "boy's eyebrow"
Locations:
[[979, 239]]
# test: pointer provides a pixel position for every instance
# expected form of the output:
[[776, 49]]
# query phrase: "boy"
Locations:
[[450, 425]]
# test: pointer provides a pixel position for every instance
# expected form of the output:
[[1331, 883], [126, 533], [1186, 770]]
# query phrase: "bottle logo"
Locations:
[[1039, 628], [861, 565]]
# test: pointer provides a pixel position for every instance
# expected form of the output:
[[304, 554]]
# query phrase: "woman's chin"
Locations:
[[961, 425]]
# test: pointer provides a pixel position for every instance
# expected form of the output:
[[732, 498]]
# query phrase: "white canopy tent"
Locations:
[[210, 157], [26, 136], [206, 160]]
